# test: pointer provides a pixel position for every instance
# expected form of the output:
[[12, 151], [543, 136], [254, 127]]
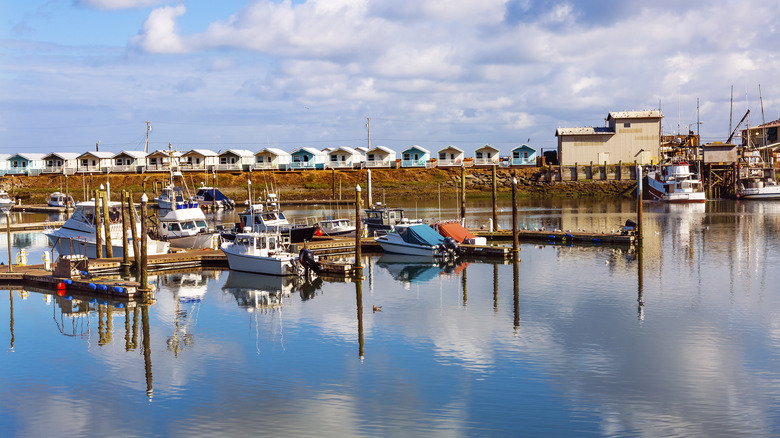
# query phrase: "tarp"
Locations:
[[421, 234], [207, 195], [456, 231]]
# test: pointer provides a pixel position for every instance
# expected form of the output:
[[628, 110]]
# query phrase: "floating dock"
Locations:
[[558, 236]]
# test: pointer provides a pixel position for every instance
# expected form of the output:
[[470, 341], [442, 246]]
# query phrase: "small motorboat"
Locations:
[[5, 201], [380, 219], [334, 227], [185, 227], [208, 196], [417, 240], [266, 253], [266, 217], [675, 183]]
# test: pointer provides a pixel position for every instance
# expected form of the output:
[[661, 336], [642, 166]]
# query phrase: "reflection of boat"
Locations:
[[5, 201], [335, 227], [261, 253], [59, 199], [674, 182], [259, 291], [77, 235], [415, 269], [755, 181], [380, 219], [185, 227], [417, 239], [268, 218], [211, 195]]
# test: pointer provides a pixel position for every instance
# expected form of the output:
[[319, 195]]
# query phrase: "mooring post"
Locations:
[[214, 192], [125, 252], [639, 203], [463, 195], [368, 185], [8, 235], [515, 243], [98, 227], [144, 257], [134, 232], [107, 225], [516, 294], [495, 201], [358, 229], [333, 183]]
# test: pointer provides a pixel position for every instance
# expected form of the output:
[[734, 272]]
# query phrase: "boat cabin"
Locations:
[[267, 244]]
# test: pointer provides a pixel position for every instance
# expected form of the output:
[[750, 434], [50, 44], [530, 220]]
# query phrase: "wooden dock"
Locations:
[[558, 236]]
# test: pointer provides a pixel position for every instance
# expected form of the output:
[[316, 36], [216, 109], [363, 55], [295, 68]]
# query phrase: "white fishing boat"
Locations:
[[674, 182], [380, 219], [261, 253], [417, 240], [334, 227], [185, 227], [171, 196], [266, 217], [5, 201], [59, 199], [755, 180], [78, 234]]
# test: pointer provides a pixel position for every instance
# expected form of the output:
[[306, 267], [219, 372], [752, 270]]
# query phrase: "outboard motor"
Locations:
[[307, 260], [450, 248], [629, 228]]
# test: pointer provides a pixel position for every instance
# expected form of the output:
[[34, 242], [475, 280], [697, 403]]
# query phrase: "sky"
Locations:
[[252, 74]]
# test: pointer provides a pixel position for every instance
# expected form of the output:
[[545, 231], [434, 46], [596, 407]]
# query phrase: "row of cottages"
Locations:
[[241, 160], [627, 137]]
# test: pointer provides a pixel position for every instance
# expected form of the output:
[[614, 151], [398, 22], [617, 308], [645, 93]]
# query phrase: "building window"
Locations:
[[627, 125], [479, 155], [516, 155], [407, 156], [442, 155]]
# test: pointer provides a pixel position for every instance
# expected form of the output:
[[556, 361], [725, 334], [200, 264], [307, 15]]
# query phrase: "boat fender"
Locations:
[[67, 281], [119, 289], [569, 236], [92, 286], [119, 305], [102, 287], [551, 237]]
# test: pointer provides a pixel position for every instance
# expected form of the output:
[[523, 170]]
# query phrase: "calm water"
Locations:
[[558, 347]]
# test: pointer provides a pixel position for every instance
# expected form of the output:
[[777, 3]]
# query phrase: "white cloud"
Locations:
[[159, 31], [111, 5]]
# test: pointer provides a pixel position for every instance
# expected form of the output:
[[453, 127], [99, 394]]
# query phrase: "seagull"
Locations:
[[606, 262], [377, 309]]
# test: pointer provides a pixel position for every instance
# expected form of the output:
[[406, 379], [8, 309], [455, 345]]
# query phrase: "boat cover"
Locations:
[[207, 195], [421, 234], [456, 231]]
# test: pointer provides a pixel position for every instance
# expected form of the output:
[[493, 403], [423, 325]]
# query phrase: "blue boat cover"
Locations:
[[207, 195], [421, 234]]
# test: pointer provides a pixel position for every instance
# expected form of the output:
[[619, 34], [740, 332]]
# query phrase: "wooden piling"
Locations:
[[98, 227], [144, 279], [8, 235], [125, 250], [463, 195], [107, 224], [515, 242], [358, 232], [495, 200], [134, 232]]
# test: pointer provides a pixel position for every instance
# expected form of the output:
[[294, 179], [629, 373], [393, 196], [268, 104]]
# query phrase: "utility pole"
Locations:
[[148, 129], [368, 125]]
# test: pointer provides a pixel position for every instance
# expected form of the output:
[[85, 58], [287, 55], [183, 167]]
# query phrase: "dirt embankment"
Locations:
[[322, 184]]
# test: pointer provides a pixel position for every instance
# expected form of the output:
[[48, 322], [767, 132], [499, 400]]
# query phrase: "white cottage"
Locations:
[[380, 156], [160, 160], [129, 161], [4, 163], [486, 156], [272, 159], [61, 162], [235, 159], [344, 158], [450, 156], [94, 162], [199, 159]]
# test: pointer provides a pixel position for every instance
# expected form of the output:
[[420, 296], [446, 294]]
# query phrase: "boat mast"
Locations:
[[765, 151]]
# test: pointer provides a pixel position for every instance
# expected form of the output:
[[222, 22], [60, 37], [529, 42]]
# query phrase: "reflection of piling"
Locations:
[[495, 200], [495, 287], [640, 301], [11, 301], [359, 298], [639, 204], [127, 328], [147, 350], [144, 255], [358, 232], [98, 227], [516, 293], [465, 288]]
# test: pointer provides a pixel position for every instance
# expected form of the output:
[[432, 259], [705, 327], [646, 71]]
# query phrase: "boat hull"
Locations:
[[406, 248], [766, 192], [261, 265], [657, 192], [197, 241], [82, 245]]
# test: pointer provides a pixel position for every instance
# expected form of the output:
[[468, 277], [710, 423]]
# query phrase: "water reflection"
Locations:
[[420, 269], [258, 291]]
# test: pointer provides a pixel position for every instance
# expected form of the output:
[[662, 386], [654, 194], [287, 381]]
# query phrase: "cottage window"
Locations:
[[479, 155], [516, 155], [407, 156], [525, 155], [442, 155], [370, 157], [334, 158], [85, 163]]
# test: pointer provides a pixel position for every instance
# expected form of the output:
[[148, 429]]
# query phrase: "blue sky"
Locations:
[[252, 74]]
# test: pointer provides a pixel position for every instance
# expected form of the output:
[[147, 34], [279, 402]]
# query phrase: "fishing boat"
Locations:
[[417, 240], [208, 196], [5, 201], [78, 235], [185, 227], [380, 219], [59, 199], [334, 227], [675, 183], [266, 217], [755, 180], [262, 253]]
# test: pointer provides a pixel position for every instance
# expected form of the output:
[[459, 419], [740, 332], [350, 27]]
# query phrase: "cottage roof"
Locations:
[[523, 146], [451, 148], [63, 155], [97, 154], [238, 152], [274, 151], [308, 150], [133, 154], [381, 148], [164, 153], [346, 149], [28, 156], [203, 152], [419, 148], [486, 147]]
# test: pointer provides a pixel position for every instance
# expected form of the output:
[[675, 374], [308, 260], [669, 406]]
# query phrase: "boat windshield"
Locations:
[[188, 225], [201, 224]]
